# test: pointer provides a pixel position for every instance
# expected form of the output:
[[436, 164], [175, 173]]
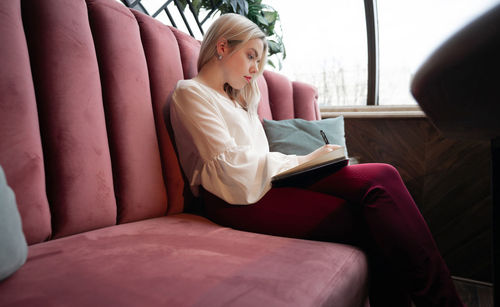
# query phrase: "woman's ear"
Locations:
[[222, 47]]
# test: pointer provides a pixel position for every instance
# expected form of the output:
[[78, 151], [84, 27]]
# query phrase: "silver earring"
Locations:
[[220, 57]]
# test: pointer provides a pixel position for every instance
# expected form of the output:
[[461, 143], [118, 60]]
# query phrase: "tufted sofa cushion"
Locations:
[[21, 152]]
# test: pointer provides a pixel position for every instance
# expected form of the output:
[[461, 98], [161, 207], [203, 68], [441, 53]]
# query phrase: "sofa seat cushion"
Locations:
[[186, 260]]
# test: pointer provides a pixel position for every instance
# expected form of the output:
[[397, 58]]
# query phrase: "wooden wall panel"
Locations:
[[448, 178], [399, 142]]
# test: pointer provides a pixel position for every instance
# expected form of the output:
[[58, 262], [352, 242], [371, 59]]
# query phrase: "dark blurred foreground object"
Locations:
[[458, 87]]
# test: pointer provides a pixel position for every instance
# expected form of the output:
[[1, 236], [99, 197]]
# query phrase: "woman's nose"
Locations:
[[253, 68]]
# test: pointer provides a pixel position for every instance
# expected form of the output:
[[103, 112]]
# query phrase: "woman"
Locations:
[[224, 153]]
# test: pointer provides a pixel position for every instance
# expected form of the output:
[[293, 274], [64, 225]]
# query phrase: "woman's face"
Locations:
[[241, 66]]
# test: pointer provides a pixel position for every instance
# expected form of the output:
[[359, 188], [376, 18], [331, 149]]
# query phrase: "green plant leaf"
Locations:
[[196, 6], [271, 17], [274, 47], [182, 5], [234, 5], [261, 19], [253, 9], [243, 4]]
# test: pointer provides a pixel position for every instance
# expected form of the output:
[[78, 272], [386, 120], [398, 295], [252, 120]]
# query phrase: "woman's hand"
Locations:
[[317, 153]]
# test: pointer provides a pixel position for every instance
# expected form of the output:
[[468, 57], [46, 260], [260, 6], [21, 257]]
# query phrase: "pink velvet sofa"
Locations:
[[84, 145]]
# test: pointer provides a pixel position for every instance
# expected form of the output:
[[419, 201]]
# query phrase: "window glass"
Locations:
[[325, 44], [409, 31]]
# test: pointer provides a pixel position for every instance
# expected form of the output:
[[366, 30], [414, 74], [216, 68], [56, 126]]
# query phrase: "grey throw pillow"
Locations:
[[300, 137], [13, 246]]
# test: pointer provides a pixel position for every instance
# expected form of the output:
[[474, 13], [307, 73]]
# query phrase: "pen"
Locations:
[[324, 137]]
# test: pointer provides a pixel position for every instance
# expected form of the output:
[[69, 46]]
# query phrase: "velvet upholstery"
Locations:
[[84, 88], [280, 96], [264, 109], [165, 69], [19, 127], [138, 180], [286, 99], [303, 94], [189, 49], [73, 129], [185, 260]]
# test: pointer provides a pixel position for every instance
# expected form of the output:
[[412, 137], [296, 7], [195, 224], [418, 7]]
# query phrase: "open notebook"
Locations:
[[313, 170]]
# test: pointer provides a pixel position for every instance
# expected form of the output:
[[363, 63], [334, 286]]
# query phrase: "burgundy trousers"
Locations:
[[366, 205]]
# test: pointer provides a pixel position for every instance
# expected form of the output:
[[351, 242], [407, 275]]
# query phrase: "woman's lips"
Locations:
[[248, 78]]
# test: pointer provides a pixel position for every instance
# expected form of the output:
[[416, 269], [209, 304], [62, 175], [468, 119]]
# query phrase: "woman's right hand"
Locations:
[[317, 153]]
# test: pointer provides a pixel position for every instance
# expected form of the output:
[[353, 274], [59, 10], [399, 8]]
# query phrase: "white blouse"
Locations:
[[222, 146]]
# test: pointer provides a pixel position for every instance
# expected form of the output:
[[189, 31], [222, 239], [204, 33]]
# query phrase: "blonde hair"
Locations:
[[236, 30]]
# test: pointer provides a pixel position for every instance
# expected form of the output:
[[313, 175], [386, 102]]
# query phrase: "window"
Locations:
[[325, 43]]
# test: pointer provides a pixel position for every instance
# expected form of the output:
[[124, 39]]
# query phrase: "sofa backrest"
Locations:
[[83, 87]]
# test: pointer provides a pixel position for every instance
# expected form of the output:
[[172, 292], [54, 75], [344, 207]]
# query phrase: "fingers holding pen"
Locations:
[[331, 147], [328, 146]]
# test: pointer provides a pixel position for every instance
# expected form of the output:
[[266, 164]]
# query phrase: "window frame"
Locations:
[[371, 15]]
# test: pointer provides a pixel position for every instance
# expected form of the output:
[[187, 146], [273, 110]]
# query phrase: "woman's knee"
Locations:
[[354, 181], [381, 174], [388, 171]]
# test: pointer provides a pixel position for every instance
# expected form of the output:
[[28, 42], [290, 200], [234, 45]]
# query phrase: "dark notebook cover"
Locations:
[[310, 175]]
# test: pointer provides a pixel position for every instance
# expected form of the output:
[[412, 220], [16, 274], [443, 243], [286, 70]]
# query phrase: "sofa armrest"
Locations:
[[289, 99], [305, 101]]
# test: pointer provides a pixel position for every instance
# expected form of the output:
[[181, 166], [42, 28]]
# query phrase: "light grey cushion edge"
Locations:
[[13, 246], [300, 137]]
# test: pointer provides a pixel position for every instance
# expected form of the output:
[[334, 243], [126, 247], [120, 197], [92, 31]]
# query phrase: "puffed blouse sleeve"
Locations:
[[238, 173]]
